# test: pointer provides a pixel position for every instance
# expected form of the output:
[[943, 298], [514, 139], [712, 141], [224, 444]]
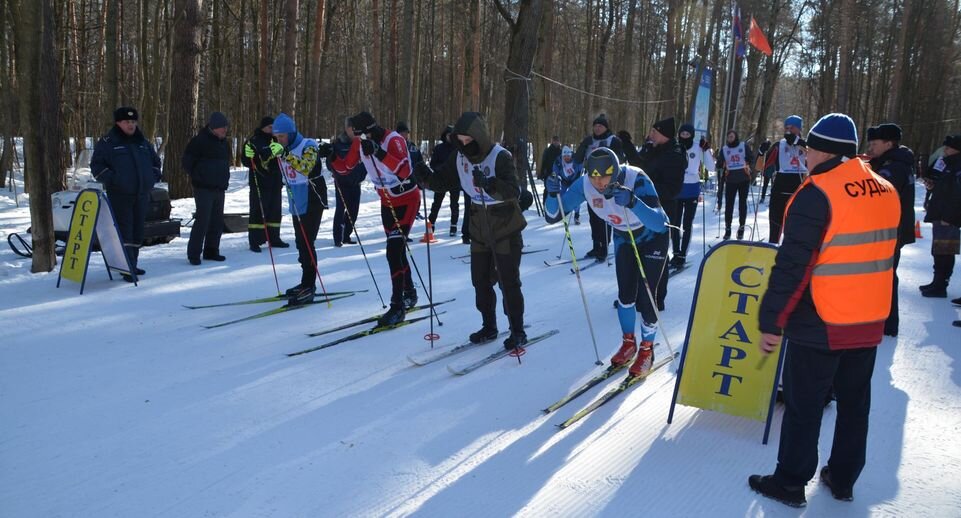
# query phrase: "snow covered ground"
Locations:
[[118, 402]]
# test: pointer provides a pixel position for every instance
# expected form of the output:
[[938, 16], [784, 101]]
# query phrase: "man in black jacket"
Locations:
[[664, 161], [438, 156], [944, 214], [600, 136], [265, 188], [127, 166], [896, 164], [485, 171], [346, 187], [207, 161]]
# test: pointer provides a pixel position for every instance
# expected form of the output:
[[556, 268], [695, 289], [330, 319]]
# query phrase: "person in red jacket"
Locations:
[[387, 160]]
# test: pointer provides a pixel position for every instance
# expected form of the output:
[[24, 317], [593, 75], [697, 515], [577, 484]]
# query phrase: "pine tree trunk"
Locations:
[[288, 90], [184, 85]]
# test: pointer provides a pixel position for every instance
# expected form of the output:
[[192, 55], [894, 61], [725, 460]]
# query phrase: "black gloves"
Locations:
[[325, 150], [481, 181], [624, 136]]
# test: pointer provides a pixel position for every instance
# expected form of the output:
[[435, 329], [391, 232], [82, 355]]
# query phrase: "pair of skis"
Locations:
[[366, 332], [626, 384], [282, 309], [435, 355]]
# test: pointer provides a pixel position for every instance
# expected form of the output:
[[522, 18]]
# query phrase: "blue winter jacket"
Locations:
[[125, 165]]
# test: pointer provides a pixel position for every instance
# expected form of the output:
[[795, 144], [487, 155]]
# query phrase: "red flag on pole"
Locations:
[[756, 38]]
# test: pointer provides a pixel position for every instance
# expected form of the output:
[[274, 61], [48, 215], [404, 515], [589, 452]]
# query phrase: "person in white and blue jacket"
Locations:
[[568, 171], [625, 197], [307, 198]]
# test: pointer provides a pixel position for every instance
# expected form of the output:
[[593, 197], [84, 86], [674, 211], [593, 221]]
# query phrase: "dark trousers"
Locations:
[[943, 266], [130, 211], [265, 211], [208, 223], [630, 287], [767, 179], [398, 217], [891, 324], [487, 269], [438, 202], [721, 182], [305, 228], [345, 210], [600, 235], [781, 191], [738, 190], [465, 225], [683, 218], [809, 375], [670, 207]]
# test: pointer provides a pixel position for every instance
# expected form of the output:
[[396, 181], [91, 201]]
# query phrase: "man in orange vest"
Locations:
[[828, 296]]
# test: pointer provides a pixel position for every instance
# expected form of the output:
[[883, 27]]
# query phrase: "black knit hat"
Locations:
[[886, 131], [266, 121], [402, 127], [602, 120], [125, 113], [666, 127], [363, 121], [217, 120], [953, 141]]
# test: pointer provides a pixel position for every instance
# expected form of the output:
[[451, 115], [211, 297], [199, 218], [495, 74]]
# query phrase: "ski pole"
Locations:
[[753, 202], [307, 243], [564, 241], [359, 242], [430, 274], [518, 350], [647, 286], [580, 283], [397, 225], [703, 219], [263, 218]]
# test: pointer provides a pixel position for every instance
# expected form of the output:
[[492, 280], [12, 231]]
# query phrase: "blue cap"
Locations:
[[835, 133], [284, 124], [794, 120]]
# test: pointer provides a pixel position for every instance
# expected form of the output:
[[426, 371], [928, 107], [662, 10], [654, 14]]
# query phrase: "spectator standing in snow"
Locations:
[[127, 166], [207, 160], [829, 300], [944, 214]]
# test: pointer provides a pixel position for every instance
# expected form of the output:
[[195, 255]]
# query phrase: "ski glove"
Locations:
[[324, 151], [480, 180], [624, 197], [553, 185], [249, 150], [276, 149]]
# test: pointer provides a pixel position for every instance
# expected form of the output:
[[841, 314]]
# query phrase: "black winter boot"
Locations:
[[845, 494], [516, 340], [485, 334], [740, 232], [937, 290], [727, 233], [767, 486]]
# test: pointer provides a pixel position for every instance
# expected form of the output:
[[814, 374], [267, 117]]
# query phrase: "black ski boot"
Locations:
[[293, 291], [485, 334], [302, 296], [394, 316], [410, 298], [516, 340], [727, 233], [740, 232]]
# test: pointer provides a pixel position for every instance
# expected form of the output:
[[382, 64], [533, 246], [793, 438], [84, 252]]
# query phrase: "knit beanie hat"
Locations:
[[886, 131], [953, 141], [266, 121], [402, 127], [665, 127], [567, 151], [124, 113], [688, 128], [836, 134], [217, 120], [602, 120], [363, 121], [284, 124], [794, 120]]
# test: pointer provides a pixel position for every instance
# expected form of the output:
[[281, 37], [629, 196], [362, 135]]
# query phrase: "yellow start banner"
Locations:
[[721, 367], [80, 240]]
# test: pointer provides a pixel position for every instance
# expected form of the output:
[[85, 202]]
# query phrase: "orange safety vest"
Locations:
[[851, 282]]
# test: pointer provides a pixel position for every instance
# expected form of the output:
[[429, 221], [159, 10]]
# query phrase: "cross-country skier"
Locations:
[[568, 171], [387, 160], [486, 173], [697, 155], [735, 157], [788, 157], [624, 197]]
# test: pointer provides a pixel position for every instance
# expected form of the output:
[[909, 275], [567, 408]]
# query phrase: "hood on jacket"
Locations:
[[472, 125]]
